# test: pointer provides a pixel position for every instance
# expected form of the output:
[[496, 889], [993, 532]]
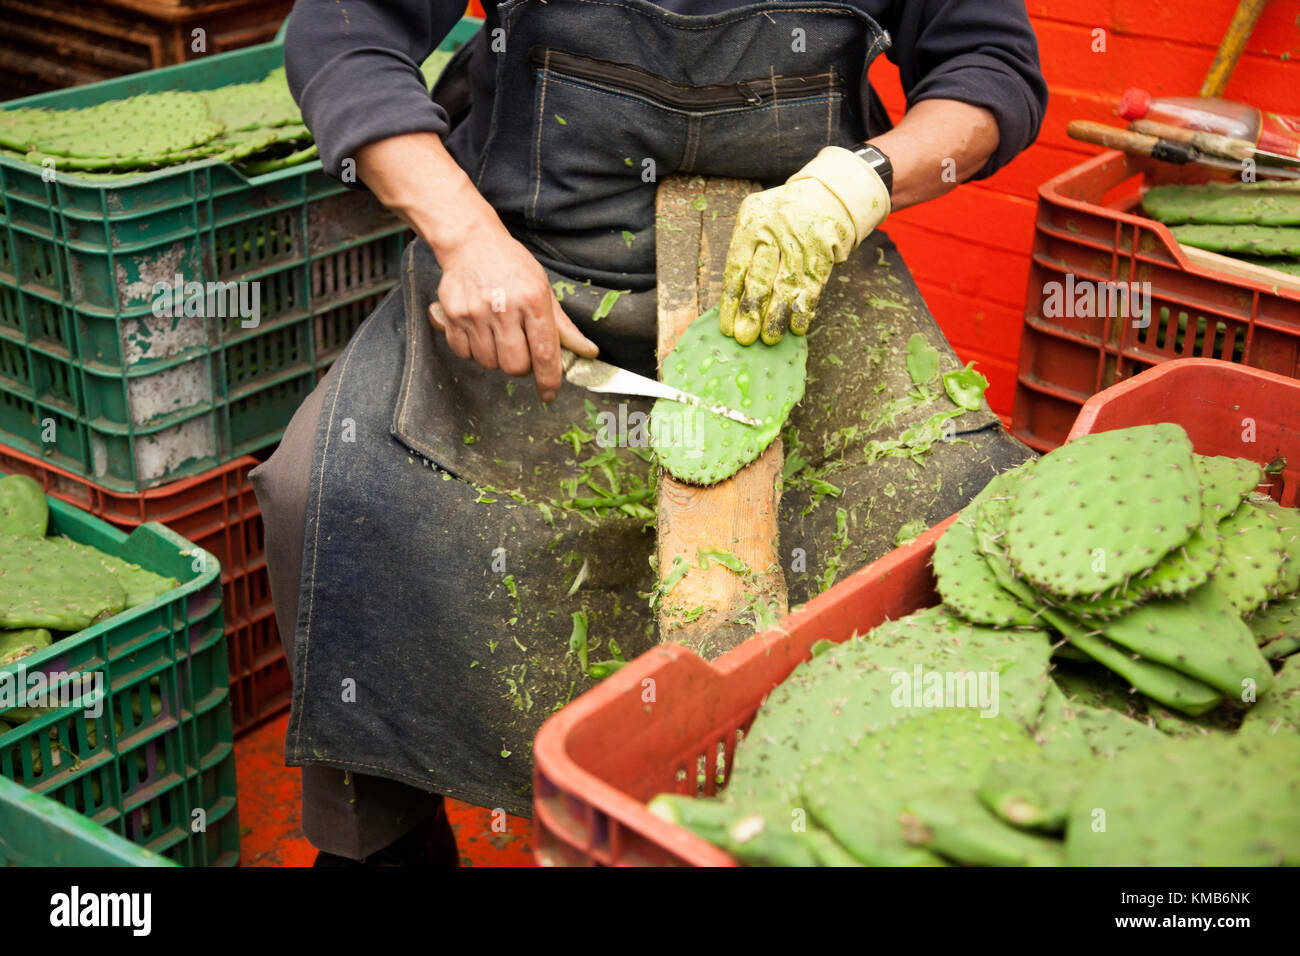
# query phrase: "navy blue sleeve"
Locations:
[[981, 52], [354, 69]]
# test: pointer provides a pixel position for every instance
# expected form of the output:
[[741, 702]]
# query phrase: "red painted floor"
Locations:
[[270, 833]]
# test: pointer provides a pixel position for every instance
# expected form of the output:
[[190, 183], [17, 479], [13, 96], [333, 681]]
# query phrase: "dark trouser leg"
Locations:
[[345, 814]]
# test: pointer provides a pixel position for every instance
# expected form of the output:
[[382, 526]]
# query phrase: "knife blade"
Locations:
[[597, 376]]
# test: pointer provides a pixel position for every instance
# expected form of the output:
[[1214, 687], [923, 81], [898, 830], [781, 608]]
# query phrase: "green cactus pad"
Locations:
[[966, 582], [1225, 482], [122, 130], [1034, 791], [1104, 508], [1250, 565], [1252, 240], [1278, 711], [964, 831], [845, 694], [18, 644], [1279, 621], [763, 382], [24, 512], [1200, 635], [1223, 204], [1164, 684], [139, 585], [859, 795], [1288, 523], [1202, 801], [43, 584]]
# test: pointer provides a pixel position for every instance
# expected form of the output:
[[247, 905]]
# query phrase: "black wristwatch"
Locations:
[[880, 163]]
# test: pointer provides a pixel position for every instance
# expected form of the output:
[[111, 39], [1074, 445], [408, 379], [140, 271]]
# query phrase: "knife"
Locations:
[[1170, 151], [1224, 147], [598, 376]]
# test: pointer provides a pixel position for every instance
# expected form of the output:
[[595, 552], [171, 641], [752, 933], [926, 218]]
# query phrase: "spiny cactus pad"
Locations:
[[1200, 635], [1288, 524], [1277, 627], [1225, 482], [1250, 563], [763, 382], [1104, 508], [1278, 711], [860, 795], [966, 582], [24, 512], [1201, 801], [43, 584], [149, 124]]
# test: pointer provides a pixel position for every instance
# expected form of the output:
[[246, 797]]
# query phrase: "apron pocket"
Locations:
[[581, 174]]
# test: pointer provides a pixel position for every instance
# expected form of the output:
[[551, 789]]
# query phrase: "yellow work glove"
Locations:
[[788, 237]]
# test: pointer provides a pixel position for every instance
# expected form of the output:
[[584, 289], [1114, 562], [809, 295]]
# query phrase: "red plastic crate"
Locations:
[[218, 511], [1085, 227], [666, 720]]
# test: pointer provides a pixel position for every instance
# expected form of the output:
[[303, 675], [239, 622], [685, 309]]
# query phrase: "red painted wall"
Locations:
[[970, 249]]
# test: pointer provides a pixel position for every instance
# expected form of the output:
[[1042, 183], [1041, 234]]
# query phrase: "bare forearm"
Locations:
[[415, 177], [937, 144]]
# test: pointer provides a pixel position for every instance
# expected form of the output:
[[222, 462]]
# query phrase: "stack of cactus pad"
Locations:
[[1257, 222], [1097, 687], [52, 586], [256, 126]]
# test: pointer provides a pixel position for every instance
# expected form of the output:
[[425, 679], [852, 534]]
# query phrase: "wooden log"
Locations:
[[710, 609]]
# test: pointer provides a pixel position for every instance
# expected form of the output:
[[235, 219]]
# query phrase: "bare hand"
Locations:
[[496, 307]]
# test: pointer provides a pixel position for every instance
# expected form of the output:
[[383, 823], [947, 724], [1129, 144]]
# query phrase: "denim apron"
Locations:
[[439, 582]]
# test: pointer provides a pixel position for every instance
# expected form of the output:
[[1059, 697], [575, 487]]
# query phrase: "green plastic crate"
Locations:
[[36, 831], [92, 379], [134, 773]]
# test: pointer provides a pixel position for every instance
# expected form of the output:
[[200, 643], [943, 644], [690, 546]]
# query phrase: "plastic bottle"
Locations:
[[1273, 132]]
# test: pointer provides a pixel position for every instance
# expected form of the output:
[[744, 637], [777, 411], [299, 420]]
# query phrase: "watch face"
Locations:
[[879, 162]]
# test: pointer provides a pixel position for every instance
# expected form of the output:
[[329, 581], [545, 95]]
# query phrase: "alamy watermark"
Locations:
[[1087, 299], [626, 428], [977, 690], [23, 688], [181, 299]]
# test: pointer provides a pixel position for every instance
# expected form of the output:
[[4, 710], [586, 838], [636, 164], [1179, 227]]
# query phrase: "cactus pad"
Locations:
[[1250, 566], [1202, 801], [18, 644], [146, 125], [763, 382], [934, 760], [961, 829], [1104, 508], [43, 584], [1252, 240], [966, 582], [24, 512], [1278, 711], [1277, 627], [1288, 523], [1225, 482], [1223, 204]]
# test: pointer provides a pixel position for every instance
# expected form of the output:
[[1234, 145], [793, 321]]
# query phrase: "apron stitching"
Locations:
[[541, 114], [829, 114], [320, 493]]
